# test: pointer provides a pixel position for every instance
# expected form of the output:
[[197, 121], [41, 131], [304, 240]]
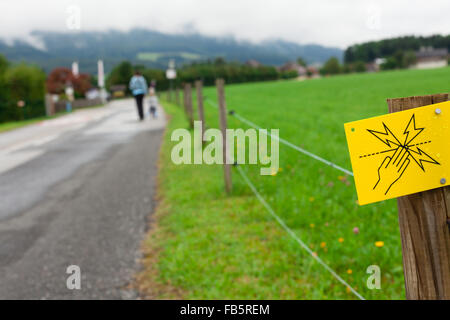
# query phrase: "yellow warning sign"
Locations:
[[400, 153]]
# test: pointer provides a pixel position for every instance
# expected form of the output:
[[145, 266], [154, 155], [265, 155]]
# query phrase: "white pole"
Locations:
[[75, 69], [101, 74], [101, 80]]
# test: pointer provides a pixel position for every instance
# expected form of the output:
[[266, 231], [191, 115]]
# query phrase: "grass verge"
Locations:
[[207, 245]]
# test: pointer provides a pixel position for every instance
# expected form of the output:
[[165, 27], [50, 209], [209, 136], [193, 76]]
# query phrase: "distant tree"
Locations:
[[121, 74], [25, 83], [389, 64], [59, 78], [94, 81], [162, 83], [81, 84], [3, 89], [301, 61], [409, 58], [289, 74], [331, 67], [360, 66], [3, 64], [347, 68], [219, 61], [207, 71], [368, 51]]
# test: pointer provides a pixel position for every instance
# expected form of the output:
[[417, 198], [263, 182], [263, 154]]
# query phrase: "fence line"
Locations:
[[277, 217], [289, 144], [293, 235]]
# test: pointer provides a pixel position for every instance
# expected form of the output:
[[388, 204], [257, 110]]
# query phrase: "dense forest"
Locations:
[[208, 71], [369, 51]]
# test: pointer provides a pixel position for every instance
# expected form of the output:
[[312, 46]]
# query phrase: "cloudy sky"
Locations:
[[328, 22]]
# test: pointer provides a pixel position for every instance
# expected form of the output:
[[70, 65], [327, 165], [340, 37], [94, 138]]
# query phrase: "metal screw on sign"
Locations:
[[443, 181], [438, 111]]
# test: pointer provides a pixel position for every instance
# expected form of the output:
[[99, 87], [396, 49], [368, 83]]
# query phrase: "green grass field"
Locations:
[[207, 245]]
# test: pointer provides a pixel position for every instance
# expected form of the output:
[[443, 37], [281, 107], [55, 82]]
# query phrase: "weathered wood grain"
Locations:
[[220, 83], [424, 230]]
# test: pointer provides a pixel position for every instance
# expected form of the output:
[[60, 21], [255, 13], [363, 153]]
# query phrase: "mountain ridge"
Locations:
[[153, 49]]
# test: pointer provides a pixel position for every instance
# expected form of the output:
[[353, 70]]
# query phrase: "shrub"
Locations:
[[23, 83]]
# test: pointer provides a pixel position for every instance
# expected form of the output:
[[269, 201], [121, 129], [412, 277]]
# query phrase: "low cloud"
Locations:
[[328, 22]]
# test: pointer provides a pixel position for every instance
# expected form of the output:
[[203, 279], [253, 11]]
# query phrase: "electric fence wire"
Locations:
[[277, 217], [289, 144], [293, 235]]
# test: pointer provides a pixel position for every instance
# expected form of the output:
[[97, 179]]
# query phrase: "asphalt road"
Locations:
[[76, 190]]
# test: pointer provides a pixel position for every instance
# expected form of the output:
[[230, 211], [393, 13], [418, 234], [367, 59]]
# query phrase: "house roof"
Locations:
[[432, 53]]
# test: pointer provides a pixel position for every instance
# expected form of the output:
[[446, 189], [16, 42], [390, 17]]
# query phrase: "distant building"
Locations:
[[293, 66], [312, 72], [375, 66], [118, 90], [427, 58], [253, 63]]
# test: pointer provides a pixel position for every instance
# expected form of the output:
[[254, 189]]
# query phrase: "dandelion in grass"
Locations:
[[379, 244], [323, 244], [280, 169], [312, 225], [311, 199], [341, 240], [349, 271]]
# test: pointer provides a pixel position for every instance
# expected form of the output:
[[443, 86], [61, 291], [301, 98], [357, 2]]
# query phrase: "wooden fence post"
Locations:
[[188, 104], [424, 229], [201, 113], [223, 127]]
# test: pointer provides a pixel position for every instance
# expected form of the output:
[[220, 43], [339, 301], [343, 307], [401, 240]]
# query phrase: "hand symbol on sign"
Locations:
[[392, 169]]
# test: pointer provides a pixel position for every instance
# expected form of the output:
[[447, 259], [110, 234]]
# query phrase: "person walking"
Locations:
[[138, 87], [153, 101]]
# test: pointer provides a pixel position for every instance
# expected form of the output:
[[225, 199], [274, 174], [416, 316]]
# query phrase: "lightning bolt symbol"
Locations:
[[387, 137], [415, 133], [422, 157]]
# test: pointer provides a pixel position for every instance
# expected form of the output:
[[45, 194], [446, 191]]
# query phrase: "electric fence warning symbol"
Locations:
[[403, 150], [400, 153]]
